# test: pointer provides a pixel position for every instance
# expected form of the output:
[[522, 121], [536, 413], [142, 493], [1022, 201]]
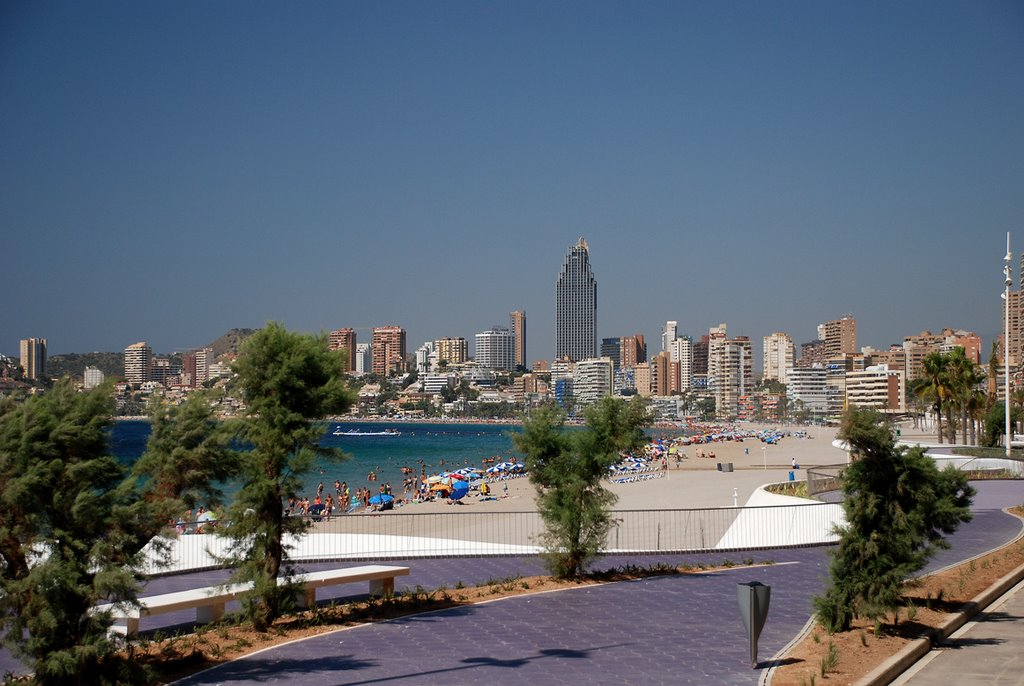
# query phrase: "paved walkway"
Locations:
[[679, 630], [985, 652]]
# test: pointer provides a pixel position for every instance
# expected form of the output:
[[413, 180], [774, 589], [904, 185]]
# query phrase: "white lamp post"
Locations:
[[764, 456], [1006, 340]]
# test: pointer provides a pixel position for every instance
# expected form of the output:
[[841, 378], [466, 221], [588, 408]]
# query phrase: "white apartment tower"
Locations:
[[681, 352], [495, 349], [779, 356], [593, 379], [138, 360], [668, 336], [364, 358]]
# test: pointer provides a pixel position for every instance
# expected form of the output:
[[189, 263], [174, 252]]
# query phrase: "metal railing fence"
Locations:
[[399, 535]]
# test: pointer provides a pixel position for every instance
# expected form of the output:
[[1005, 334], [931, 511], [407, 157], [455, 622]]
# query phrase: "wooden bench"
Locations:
[[209, 602]]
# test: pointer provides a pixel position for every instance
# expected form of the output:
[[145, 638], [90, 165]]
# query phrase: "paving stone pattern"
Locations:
[[678, 630]]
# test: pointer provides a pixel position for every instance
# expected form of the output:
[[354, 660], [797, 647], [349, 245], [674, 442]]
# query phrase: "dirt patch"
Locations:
[[845, 657]]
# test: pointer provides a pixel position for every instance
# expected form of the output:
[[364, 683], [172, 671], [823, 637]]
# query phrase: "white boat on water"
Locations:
[[356, 432]]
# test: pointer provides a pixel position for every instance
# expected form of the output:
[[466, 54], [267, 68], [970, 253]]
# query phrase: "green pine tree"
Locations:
[[286, 380], [898, 508], [567, 467], [71, 528]]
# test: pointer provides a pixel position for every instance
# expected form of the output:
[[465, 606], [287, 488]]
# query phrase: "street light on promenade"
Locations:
[[1006, 341]]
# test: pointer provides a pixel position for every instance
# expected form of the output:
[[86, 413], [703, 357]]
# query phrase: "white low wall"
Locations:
[[761, 523]]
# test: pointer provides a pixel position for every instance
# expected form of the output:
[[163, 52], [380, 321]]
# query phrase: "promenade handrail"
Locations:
[[398, 535]]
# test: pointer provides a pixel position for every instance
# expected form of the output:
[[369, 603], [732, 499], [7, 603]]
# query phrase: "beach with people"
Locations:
[[687, 477]]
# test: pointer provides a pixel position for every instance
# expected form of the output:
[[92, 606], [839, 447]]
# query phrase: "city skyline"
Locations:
[[175, 172]]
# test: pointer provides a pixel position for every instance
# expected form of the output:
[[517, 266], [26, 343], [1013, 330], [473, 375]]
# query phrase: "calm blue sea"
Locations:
[[456, 444]]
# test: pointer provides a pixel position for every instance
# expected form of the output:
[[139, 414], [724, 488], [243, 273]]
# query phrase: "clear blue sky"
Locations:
[[169, 170]]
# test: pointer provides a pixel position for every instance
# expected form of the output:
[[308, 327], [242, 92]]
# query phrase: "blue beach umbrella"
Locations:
[[459, 489], [381, 498]]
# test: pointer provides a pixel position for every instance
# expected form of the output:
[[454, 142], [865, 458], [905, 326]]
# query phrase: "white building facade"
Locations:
[[496, 349], [593, 379]]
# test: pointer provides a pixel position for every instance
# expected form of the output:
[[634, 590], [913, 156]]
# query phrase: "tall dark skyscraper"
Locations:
[[576, 309]]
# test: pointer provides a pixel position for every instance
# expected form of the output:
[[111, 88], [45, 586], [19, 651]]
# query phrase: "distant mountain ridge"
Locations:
[[112, 363], [229, 342]]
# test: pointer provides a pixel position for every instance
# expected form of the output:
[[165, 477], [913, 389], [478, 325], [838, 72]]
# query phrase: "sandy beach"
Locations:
[[695, 483]]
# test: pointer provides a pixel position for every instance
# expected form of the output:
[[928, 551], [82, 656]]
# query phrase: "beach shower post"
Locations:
[[754, 598]]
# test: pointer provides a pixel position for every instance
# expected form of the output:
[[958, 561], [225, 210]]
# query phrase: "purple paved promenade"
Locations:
[[679, 630]]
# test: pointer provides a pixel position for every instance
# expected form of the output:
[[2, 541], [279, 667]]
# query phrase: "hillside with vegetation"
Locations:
[[74, 364], [112, 363], [229, 342]]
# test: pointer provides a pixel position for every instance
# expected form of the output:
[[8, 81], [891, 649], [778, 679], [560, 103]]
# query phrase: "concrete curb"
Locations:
[[894, 666]]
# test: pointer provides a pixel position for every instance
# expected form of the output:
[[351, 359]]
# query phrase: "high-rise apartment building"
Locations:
[[730, 371], [700, 356], [812, 353], [779, 353], [632, 350], [682, 355], [878, 388], [661, 374], [188, 370], [426, 358], [204, 360], [138, 360], [33, 358], [364, 358], [612, 349], [344, 339], [451, 351], [1012, 338], [841, 337], [576, 306], [388, 345], [668, 335], [592, 380], [495, 349], [517, 323], [808, 389], [916, 348]]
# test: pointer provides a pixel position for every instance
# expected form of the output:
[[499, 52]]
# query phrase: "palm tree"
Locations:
[[963, 378], [935, 367]]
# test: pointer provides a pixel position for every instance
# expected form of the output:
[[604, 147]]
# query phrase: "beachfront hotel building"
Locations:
[[592, 380], [496, 349], [138, 360], [388, 350], [344, 339], [33, 358], [807, 388], [730, 371], [517, 323], [878, 388], [779, 353], [576, 306]]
